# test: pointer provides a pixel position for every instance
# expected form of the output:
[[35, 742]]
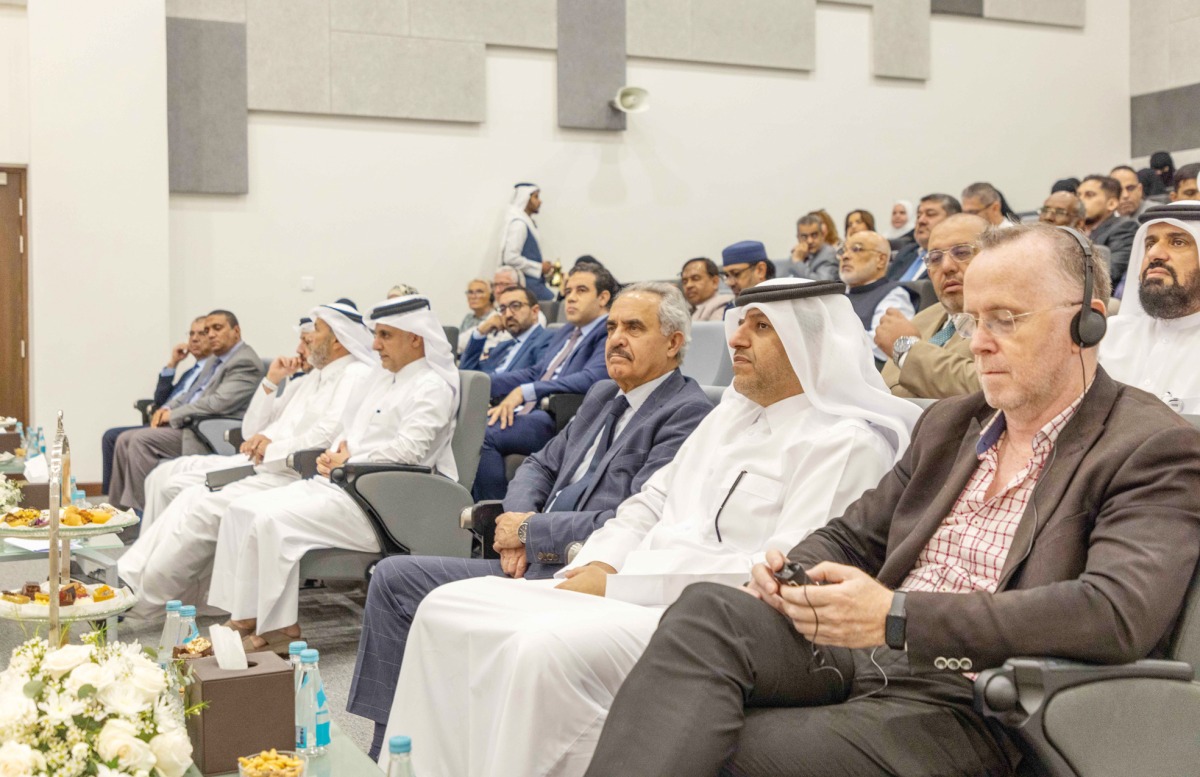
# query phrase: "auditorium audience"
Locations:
[[402, 414], [198, 347], [986, 201], [1133, 197], [572, 362], [880, 681], [864, 261], [481, 304], [829, 233], [701, 287], [859, 221], [1151, 344], [812, 258], [744, 265], [1064, 209], [517, 315], [223, 388], [1065, 185], [1184, 186], [627, 429], [1101, 195], [520, 247], [925, 359], [909, 262], [805, 429], [173, 557]]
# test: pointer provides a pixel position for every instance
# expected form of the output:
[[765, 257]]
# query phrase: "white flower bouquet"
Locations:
[[10, 494], [92, 709]]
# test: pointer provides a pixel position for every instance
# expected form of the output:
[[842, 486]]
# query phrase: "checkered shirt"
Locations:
[[967, 552]]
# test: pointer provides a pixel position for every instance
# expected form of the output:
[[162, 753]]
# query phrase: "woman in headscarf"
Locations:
[[904, 219]]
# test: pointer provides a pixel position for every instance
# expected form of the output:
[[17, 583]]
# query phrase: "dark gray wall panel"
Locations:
[[1165, 121], [591, 63], [206, 106], [959, 7]]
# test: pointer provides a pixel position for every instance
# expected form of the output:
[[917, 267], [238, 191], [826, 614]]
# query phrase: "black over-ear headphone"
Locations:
[[1088, 326]]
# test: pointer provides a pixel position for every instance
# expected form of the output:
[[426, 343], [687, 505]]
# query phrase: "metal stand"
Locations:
[[60, 549]]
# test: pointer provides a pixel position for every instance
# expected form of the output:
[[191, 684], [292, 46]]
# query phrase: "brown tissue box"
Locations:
[[9, 442], [248, 711], [36, 496]]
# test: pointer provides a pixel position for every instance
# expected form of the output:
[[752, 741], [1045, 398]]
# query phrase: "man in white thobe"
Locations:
[[506, 677], [172, 558], [520, 247], [403, 415], [1152, 341]]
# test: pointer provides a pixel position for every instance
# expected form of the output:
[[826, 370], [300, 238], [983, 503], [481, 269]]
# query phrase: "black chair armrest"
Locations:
[[235, 437], [562, 408], [480, 519], [305, 462], [146, 408], [347, 473]]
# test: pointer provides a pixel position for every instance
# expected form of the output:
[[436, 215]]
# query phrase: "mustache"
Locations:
[[621, 352], [1155, 263]]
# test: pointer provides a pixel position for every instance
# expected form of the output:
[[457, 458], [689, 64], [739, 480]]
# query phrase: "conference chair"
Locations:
[[707, 361], [550, 308], [213, 431], [452, 336], [411, 508]]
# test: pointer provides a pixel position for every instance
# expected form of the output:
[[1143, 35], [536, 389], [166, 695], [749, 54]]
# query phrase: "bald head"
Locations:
[[1062, 209], [864, 258]]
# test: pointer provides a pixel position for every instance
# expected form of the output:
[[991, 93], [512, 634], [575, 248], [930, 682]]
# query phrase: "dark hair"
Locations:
[[770, 268], [949, 204], [1185, 173], [1162, 159], [1151, 183], [867, 218], [604, 279], [1122, 167], [810, 220], [1109, 185], [229, 317], [1065, 185], [710, 266], [346, 301], [530, 298]]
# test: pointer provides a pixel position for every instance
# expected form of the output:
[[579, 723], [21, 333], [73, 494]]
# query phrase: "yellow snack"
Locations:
[[41, 598], [21, 517], [103, 594], [97, 516], [18, 598], [72, 516], [271, 763]]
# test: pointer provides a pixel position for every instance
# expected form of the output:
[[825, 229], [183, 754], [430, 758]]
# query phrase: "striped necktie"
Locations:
[[562, 356], [943, 335]]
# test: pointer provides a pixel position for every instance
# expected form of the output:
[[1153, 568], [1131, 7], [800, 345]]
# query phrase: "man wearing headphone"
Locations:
[[1050, 514], [481, 303]]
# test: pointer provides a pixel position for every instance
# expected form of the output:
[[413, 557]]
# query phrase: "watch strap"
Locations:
[[896, 625]]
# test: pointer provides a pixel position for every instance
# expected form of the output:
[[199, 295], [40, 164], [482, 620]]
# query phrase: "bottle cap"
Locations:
[[174, 605], [400, 744], [295, 648], [188, 611], [309, 656]]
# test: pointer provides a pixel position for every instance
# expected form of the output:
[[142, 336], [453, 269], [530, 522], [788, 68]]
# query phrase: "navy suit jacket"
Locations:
[[650, 440], [529, 355], [902, 261], [583, 369], [166, 389]]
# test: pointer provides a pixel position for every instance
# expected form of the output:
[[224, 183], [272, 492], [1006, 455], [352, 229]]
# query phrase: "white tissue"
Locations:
[[37, 470], [227, 645]]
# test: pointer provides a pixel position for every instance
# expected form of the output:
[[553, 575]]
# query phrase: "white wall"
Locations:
[[724, 154], [98, 213], [14, 85]]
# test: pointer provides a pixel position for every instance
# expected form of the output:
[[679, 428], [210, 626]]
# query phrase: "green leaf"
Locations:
[[86, 691], [33, 688]]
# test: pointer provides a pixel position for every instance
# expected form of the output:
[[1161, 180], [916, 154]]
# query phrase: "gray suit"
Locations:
[[1116, 233], [651, 438], [228, 385], [821, 266]]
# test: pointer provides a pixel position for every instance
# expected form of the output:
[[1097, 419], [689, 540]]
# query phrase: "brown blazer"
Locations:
[[930, 371], [1099, 563]]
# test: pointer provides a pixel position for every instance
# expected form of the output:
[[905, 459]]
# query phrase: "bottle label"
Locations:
[[322, 733]]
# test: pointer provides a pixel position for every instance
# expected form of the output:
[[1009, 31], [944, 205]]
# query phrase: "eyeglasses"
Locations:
[[515, 307], [858, 249], [1048, 212], [469, 292], [729, 272], [961, 253], [999, 323]]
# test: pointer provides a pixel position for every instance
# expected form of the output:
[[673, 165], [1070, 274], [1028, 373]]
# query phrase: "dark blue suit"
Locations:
[[162, 392], [530, 354], [532, 430], [650, 439]]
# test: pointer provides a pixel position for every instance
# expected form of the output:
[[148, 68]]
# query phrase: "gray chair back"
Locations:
[[707, 361], [1185, 645], [452, 337], [470, 423], [550, 308], [714, 393]]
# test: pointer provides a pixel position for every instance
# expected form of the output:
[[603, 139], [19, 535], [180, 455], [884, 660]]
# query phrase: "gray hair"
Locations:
[[402, 290], [984, 192], [674, 312], [1069, 257], [511, 272]]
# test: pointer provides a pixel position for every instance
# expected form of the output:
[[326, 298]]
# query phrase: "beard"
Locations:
[[1169, 300]]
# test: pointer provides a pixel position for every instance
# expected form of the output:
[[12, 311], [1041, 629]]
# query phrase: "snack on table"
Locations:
[[23, 517], [41, 598], [103, 594], [66, 596], [271, 763], [97, 516], [15, 598], [31, 589], [197, 648]]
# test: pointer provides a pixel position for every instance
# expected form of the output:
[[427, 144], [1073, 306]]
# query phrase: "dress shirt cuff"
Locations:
[[167, 372], [900, 361], [528, 392], [475, 334]]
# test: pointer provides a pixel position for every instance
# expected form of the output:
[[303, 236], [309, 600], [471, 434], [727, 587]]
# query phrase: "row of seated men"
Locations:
[[808, 453]]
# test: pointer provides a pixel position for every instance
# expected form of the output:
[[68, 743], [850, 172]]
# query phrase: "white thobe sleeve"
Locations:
[[264, 410], [326, 427], [897, 298], [514, 241], [428, 412]]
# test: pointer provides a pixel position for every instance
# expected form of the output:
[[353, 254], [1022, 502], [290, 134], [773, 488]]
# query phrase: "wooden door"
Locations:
[[14, 296]]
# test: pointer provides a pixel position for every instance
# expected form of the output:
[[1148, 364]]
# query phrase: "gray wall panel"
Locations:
[[206, 106], [900, 39], [383, 17], [287, 55], [591, 63], [1149, 63], [527, 23], [1167, 120], [1064, 13], [448, 19], [660, 28], [209, 10], [958, 7], [762, 33], [408, 78]]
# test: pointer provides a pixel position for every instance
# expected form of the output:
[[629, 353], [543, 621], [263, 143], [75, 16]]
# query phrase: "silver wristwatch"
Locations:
[[523, 532], [901, 346]]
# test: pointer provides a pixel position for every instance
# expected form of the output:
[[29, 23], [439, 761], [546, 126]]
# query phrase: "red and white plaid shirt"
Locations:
[[967, 552]]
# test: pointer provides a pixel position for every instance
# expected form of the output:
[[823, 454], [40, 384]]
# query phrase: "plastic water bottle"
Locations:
[[294, 651], [170, 632], [187, 625], [312, 708], [400, 757]]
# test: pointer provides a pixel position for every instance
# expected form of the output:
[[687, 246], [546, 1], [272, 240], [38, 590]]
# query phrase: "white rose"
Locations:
[[17, 760], [58, 662], [123, 699], [118, 739], [16, 711], [91, 674], [174, 753], [150, 680]]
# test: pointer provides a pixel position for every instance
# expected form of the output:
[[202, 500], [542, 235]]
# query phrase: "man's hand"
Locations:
[[256, 447], [491, 324], [513, 562], [506, 531], [591, 579], [762, 583], [799, 252], [332, 459], [161, 417], [507, 408], [891, 326], [546, 269], [178, 354], [849, 610], [281, 367]]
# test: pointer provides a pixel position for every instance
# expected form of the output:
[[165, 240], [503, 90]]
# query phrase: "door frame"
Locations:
[[22, 299]]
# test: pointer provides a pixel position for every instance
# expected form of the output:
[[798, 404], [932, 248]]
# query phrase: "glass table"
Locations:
[[343, 759]]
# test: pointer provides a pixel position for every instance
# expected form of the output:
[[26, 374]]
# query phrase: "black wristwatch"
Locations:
[[897, 623], [523, 532]]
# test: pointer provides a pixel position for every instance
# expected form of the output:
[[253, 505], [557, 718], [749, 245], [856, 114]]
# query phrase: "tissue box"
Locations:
[[248, 711], [9, 442]]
